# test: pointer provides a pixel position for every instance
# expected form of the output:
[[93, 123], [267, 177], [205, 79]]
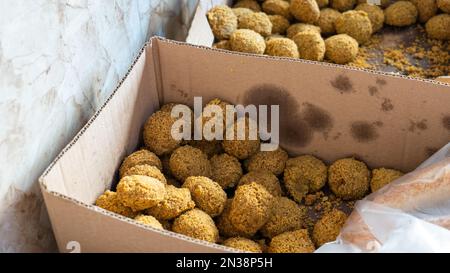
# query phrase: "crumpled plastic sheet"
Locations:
[[412, 214]]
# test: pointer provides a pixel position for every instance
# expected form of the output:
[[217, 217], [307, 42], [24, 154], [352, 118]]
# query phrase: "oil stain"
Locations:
[[373, 90], [337, 136], [343, 84], [364, 131], [446, 122], [381, 81], [378, 123], [418, 125], [429, 151], [387, 105], [317, 118]]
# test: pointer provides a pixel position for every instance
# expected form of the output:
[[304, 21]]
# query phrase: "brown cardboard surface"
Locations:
[[398, 122]]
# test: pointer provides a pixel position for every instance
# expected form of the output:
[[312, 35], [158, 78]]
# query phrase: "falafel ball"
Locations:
[[355, 23], [297, 241], [149, 221], [109, 201], [226, 170], [146, 170], [341, 49], [426, 9], [310, 45], [286, 216], [243, 244], [300, 27], [348, 178], [207, 194], [279, 24], [343, 5], [239, 12], [189, 161], [444, 5], [250, 142], [223, 22], [381, 177], [327, 19], [140, 192], [247, 41], [210, 148], [176, 202], [224, 224], [140, 157], [264, 178], [438, 27], [277, 7], [248, 4], [375, 13], [303, 175], [305, 11], [272, 161], [256, 21], [401, 14], [328, 227], [322, 3], [224, 44], [281, 47], [196, 224], [384, 3], [251, 208]]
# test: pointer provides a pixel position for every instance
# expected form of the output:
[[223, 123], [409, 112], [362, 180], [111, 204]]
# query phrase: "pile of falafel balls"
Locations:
[[232, 193], [318, 30]]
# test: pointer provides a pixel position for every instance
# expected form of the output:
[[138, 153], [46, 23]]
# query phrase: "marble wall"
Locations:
[[59, 61]]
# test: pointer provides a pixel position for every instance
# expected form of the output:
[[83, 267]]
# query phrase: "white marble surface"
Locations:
[[59, 61]]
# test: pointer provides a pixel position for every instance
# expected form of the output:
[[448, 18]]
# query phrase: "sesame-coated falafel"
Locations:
[[256, 21], [149, 221], [251, 208], [327, 19], [226, 170], [140, 157], [279, 24], [248, 4], [176, 201], [140, 192], [247, 41], [355, 24], [348, 178], [272, 161], [189, 161], [286, 216], [207, 194], [328, 227], [305, 11], [277, 7], [375, 13], [401, 14], [381, 177], [224, 224], [438, 27], [109, 201], [146, 170], [297, 241], [196, 224], [310, 45], [243, 244], [223, 22], [343, 5], [300, 27], [264, 178], [250, 142], [281, 47], [341, 49]]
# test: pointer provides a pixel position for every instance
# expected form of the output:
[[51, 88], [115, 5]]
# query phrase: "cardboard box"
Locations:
[[326, 110]]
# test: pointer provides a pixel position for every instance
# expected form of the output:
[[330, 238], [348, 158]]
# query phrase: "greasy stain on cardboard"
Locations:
[[446, 122], [363, 131], [342, 84], [373, 90], [387, 105], [317, 118], [417, 125]]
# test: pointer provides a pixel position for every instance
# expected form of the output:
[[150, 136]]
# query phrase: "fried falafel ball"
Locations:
[[341, 49], [223, 22], [140, 157], [110, 202], [343, 5], [426, 9], [297, 241], [176, 202], [251, 208], [277, 7], [146, 170], [247, 41], [444, 5], [286, 216], [243, 244], [328, 227], [224, 44], [207, 194], [224, 224], [149, 221], [322, 3], [140, 192], [246, 147], [310, 45], [188, 161], [438, 27], [375, 13], [279, 24], [281, 47], [305, 11], [300, 27], [226, 170], [196, 224], [384, 3], [264, 178], [248, 4], [210, 148], [239, 12], [256, 21], [348, 179], [327, 19], [355, 24], [381, 177], [401, 14], [303, 175], [272, 161]]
